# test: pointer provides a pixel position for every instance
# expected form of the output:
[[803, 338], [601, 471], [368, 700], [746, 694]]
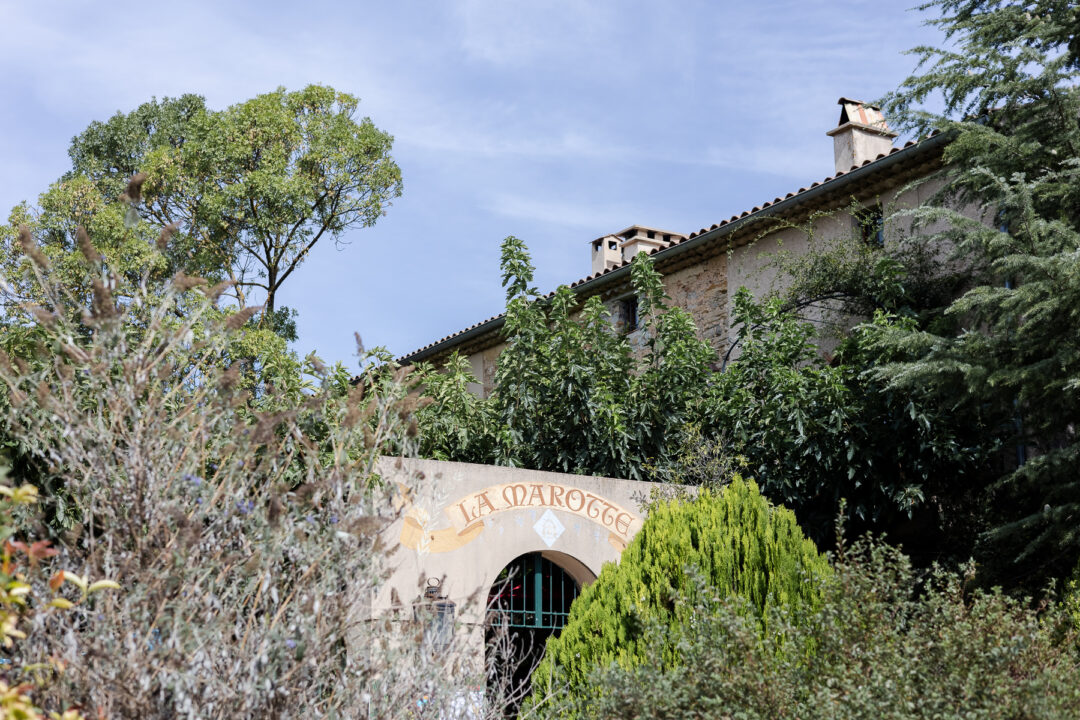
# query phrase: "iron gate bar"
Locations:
[[528, 606]]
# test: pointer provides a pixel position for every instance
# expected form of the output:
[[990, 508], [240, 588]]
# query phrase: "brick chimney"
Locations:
[[861, 135], [612, 250]]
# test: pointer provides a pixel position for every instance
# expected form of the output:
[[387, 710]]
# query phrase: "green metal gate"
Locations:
[[532, 592]]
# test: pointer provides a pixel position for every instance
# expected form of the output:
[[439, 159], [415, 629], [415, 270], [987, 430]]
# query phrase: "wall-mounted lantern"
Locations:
[[436, 612]]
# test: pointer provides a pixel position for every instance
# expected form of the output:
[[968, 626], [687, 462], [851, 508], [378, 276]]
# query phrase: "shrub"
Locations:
[[883, 643], [734, 540], [244, 531]]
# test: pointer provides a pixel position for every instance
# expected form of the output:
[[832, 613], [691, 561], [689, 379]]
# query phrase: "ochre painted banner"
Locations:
[[473, 508]]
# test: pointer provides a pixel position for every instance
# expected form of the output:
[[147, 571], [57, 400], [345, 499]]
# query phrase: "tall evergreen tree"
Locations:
[[1009, 346], [719, 544]]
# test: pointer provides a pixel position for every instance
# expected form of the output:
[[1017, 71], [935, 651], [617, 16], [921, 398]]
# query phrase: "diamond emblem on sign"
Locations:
[[549, 528]]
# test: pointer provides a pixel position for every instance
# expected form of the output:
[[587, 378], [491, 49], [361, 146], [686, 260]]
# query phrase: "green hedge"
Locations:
[[718, 544]]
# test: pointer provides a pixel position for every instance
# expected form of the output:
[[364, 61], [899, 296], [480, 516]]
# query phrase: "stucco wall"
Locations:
[[470, 521]]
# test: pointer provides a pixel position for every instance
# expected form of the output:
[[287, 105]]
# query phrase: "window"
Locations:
[[628, 310], [871, 223]]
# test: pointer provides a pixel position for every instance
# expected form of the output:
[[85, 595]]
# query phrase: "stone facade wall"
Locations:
[[702, 289], [487, 363]]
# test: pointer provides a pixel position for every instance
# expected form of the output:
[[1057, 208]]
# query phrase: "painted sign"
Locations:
[[467, 514], [474, 508]]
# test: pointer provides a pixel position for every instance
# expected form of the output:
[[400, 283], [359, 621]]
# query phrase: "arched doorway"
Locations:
[[528, 602]]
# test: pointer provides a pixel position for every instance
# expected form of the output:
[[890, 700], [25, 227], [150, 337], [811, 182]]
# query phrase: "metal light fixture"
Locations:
[[436, 611]]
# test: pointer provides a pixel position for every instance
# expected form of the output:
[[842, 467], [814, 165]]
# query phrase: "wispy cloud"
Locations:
[[596, 218], [562, 118], [515, 33]]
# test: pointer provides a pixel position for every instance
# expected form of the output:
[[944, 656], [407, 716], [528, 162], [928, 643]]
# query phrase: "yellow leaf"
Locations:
[[62, 603], [103, 585], [25, 494], [75, 580], [18, 589]]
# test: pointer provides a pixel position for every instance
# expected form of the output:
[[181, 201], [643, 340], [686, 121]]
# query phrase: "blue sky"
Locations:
[[554, 121]]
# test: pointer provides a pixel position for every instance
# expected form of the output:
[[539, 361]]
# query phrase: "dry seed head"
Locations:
[[44, 393], [103, 303], [43, 316], [213, 293], [273, 512], [408, 405], [166, 235], [178, 516], [75, 353], [240, 318], [133, 193], [229, 377], [184, 282], [86, 247], [356, 392], [352, 416], [367, 526], [31, 249], [252, 565]]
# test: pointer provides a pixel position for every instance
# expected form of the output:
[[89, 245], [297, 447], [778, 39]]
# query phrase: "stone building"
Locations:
[[517, 545], [702, 270]]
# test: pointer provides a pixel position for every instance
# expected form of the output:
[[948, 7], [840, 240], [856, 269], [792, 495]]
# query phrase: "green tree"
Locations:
[[718, 544], [571, 395], [1011, 348], [457, 423], [249, 190], [816, 434]]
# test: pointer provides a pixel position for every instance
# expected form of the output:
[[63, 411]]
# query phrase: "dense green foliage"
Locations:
[[247, 190], [1013, 106], [815, 433], [884, 642], [570, 393], [976, 296], [718, 544]]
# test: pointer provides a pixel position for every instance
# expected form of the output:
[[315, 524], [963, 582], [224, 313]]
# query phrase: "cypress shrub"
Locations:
[[718, 544]]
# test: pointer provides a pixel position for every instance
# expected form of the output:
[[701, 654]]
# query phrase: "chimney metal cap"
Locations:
[[857, 114]]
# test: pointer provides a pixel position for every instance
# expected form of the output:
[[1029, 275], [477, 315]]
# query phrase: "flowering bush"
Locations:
[[20, 565], [244, 530]]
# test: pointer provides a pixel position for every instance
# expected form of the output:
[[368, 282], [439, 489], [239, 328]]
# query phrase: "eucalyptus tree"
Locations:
[[247, 191]]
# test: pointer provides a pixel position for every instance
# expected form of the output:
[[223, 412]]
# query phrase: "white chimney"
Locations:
[[605, 253], [612, 250], [861, 135]]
